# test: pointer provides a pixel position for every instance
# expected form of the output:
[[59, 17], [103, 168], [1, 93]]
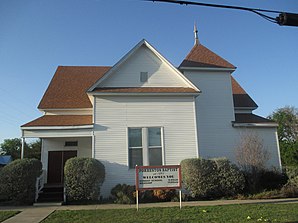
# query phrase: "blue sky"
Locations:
[[38, 35]]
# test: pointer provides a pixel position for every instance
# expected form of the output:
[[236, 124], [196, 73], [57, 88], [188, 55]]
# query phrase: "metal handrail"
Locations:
[[39, 184]]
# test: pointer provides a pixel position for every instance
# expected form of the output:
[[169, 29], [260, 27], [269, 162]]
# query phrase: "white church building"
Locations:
[[145, 111]]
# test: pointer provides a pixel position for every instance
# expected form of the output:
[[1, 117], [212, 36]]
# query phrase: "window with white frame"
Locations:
[[144, 146]]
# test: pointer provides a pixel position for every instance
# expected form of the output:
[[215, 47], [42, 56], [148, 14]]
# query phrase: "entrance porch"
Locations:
[[58, 145]]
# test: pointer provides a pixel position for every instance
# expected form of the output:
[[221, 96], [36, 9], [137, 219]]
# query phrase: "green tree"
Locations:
[[13, 147], [34, 150], [287, 119]]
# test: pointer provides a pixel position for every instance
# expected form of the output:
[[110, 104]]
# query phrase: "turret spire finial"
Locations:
[[197, 42]]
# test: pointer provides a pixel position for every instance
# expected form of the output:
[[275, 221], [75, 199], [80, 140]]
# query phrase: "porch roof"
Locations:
[[60, 120]]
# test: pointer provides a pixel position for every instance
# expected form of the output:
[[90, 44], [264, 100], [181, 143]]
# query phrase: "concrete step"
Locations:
[[46, 204]]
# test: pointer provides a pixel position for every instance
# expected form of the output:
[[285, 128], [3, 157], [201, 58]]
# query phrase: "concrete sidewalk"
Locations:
[[32, 214]]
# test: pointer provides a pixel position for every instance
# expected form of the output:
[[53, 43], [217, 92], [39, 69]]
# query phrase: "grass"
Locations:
[[7, 214], [226, 213]]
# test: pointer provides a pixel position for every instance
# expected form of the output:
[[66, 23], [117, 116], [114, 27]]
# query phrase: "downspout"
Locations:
[[23, 145]]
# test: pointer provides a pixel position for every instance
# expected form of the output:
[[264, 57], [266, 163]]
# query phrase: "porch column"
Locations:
[[22, 148], [93, 145]]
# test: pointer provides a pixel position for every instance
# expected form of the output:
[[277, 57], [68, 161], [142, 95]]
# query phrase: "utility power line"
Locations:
[[283, 18]]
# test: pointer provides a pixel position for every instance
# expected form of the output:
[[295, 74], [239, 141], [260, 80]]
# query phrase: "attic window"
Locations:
[[144, 77], [71, 143]]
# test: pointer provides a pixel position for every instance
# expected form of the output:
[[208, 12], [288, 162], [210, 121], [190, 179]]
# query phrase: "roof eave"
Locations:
[[209, 68], [245, 108], [247, 125], [144, 93], [57, 127]]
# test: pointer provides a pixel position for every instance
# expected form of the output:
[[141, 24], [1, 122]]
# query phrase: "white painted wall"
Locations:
[[215, 113], [115, 114], [57, 144], [268, 136], [68, 111], [143, 60]]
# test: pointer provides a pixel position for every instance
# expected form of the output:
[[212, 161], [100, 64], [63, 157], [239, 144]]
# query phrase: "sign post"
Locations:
[[158, 178]]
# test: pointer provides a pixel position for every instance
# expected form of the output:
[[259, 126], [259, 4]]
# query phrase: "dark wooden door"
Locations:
[[56, 163]]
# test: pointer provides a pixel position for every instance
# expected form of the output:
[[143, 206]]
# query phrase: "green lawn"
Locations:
[[7, 214], [226, 213]]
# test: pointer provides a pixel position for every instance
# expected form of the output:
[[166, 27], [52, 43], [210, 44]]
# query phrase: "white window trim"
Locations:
[[145, 144]]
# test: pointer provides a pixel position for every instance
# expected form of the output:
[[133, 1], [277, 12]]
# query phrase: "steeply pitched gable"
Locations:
[[200, 56], [143, 58]]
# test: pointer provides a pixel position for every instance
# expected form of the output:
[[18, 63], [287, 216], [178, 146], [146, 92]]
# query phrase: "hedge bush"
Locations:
[[18, 180], [123, 194], [211, 178], [83, 178], [271, 180], [126, 194], [231, 179]]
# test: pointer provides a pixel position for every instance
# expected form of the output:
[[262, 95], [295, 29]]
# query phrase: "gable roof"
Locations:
[[201, 56], [129, 55], [67, 88], [240, 97], [60, 120], [251, 118], [70, 83]]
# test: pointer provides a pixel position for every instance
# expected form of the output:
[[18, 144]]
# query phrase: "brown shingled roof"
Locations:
[[240, 97], [200, 56], [60, 120], [69, 85], [146, 90], [251, 118]]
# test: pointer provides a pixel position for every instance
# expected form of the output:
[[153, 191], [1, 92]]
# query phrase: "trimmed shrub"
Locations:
[[199, 177], [83, 178], [165, 195], [126, 194], [291, 171], [123, 194], [231, 180], [18, 180], [211, 178], [271, 180]]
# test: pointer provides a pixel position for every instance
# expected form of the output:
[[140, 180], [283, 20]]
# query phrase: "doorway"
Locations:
[[56, 163]]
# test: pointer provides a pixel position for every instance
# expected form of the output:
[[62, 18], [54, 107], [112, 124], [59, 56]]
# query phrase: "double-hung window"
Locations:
[[144, 146]]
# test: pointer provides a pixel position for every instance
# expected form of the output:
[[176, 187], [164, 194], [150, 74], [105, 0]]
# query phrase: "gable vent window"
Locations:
[[144, 77], [71, 143]]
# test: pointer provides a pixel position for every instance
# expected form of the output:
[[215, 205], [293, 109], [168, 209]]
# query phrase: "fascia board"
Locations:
[[208, 68], [270, 125], [169, 64], [142, 94], [57, 127], [117, 65]]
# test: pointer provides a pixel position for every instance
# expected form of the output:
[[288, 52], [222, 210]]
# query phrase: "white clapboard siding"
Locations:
[[215, 113], [115, 114], [144, 60], [57, 144], [268, 136]]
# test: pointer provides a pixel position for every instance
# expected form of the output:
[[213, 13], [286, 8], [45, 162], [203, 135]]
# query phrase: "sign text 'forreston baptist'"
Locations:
[[158, 177]]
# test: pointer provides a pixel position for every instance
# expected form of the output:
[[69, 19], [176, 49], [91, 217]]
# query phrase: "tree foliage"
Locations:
[[287, 119], [13, 147]]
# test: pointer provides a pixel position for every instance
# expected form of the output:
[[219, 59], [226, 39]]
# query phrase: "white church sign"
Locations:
[[158, 177]]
